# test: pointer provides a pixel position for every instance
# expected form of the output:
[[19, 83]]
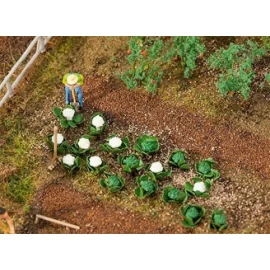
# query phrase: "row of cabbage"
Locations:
[[147, 175]]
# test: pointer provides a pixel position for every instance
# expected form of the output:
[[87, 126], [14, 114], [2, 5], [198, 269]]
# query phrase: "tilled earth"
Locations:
[[226, 143], [242, 190], [61, 201]]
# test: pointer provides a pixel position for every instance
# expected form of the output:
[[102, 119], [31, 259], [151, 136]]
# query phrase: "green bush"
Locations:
[[144, 61], [149, 56], [235, 66], [187, 49]]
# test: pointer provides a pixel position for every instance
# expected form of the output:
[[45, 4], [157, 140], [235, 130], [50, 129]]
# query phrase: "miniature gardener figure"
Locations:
[[4, 216], [73, 82]]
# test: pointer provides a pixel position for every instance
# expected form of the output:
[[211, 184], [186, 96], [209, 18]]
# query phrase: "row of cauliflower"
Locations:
[[147, 182]]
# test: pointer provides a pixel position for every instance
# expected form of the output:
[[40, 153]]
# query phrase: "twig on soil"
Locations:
[[63, 223]]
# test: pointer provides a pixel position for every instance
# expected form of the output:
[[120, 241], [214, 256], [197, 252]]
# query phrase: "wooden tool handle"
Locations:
[[55, 132], [73, 94]]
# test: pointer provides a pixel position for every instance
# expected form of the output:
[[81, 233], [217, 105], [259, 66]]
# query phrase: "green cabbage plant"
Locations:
[[174, 195], [192, 215], [178, 159], [200, 188], [218, 220], [146, 144], [204, 169], [71, 163], [131, 163], [113, 183], [82, 146], [98, 124], [146, 186], [115, 148], [68, 116], [96, 165], [61, 147]]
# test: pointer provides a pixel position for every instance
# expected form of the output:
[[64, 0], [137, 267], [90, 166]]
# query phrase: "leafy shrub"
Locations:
[[235, 65], [188, 49], [146, 144], [62, 144], [130, 163], [71, 163], [144, 57], [81, 146], [113, 183], [192, 215], [96, 165], [98, 124], [115, 144], [68, 116], [178, 159], [172, 194], [157, 170], [200, 188], [218, 220], [146, 186], [204, 169]]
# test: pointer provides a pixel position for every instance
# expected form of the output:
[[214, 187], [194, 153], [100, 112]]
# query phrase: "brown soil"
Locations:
[[226, 143], [62, 202]]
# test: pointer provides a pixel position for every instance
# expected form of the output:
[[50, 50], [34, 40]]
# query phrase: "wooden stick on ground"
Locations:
[[55, 132], [56, 222]]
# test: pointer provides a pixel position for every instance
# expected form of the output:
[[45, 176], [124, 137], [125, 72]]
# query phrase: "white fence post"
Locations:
[[40, 43]]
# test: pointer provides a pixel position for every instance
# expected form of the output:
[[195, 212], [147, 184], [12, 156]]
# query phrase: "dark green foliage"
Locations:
[[113, 183], [235, 65], [149, 56], [192, 215], [146, 144], [204, 169], [218, 220], [146, 186], [178, 159], [187, 49], [131, 163], [144, 63], [171, 194]]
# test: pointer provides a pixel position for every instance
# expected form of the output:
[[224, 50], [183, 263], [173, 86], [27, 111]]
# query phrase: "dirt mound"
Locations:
[[227, 144], [61, 202]]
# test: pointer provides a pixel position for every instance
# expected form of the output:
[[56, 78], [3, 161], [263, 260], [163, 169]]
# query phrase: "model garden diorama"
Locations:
[[149, 135]]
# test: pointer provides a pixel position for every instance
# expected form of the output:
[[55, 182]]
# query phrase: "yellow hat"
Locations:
[[72, 79]]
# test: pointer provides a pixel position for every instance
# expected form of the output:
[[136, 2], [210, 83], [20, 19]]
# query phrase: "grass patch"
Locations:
[[20, 188]]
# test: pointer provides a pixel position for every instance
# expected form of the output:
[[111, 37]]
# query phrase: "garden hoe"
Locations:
[[54, 158], [74, 103]]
